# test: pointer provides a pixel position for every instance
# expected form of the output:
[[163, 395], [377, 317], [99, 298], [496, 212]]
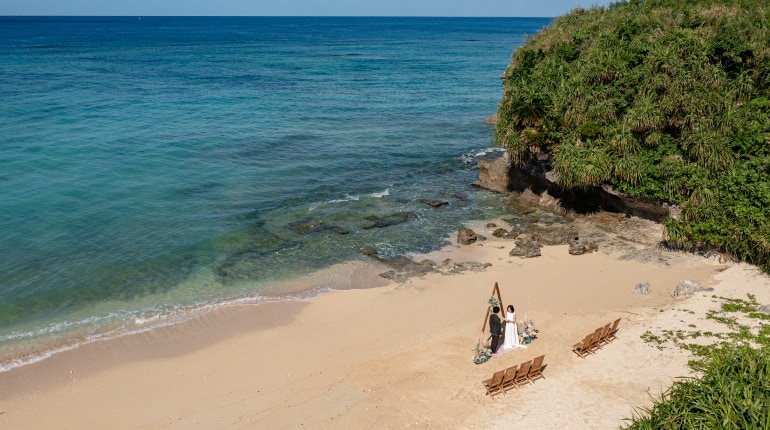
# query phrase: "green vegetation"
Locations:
[[733, 391], [665, 99]]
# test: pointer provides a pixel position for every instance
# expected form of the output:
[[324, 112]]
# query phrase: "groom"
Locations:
[[495, 328]]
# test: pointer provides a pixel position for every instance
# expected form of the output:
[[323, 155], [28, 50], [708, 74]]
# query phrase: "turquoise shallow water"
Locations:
[[151, 167]]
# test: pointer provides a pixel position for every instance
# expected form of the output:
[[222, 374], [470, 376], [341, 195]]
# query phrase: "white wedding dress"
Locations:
[[511, 333]]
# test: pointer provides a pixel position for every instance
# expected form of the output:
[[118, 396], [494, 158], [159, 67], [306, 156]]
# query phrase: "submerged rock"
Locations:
[[313, 226], [247, 263], [435, 203], [459, 197], [388, 220]]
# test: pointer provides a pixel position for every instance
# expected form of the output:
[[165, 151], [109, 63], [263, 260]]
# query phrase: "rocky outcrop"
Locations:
[[688, 288], [493, 175], [506, 234], [466, 236], [403, 268], [536, 185], [435, 203], [525, 248], [313, 226], [580, 247], [387, 220], [642, 288]]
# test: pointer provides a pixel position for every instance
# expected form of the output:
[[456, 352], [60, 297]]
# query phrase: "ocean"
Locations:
[[153, 168]]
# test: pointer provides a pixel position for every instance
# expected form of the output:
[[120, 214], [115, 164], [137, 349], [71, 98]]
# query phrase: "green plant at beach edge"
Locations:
[[661, 99], [733, 390]]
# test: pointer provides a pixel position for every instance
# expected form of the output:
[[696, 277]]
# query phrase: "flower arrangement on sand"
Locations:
[[528, 331], [481, 354]]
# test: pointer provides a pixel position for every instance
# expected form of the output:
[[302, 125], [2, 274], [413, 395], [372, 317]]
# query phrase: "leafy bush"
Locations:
[[666, 99], [732, 393]]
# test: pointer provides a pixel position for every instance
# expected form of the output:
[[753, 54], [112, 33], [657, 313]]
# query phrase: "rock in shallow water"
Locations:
[[435, 203], [388, 220], [313, 226], [466, 236], [403, 268]]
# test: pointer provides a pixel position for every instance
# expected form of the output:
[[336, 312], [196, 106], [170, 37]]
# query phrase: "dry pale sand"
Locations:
[[397, 356]]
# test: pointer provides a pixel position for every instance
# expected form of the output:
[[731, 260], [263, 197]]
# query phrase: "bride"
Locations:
[[511, 333]]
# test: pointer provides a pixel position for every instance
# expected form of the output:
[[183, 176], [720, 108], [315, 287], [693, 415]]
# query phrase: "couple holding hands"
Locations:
[[508, 333]]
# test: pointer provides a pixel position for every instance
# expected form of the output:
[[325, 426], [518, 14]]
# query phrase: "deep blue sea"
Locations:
[[156, 167]]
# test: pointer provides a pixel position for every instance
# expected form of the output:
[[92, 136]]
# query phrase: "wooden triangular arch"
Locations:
[[495, 290]]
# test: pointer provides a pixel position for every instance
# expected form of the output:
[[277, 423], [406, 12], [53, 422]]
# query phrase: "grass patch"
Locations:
[[732, 393], [734, 389], [655, 340]]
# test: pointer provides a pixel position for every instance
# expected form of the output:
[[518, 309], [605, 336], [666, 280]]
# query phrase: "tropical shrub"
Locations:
[[666, 99], [732, 393]]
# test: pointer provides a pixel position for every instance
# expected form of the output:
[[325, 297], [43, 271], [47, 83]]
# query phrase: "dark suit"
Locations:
[[496, 329]]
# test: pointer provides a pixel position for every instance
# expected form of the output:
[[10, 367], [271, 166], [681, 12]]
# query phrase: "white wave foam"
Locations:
[[18, 362], [68, 335], [380, 194], [152, 318], [347, 198], [472, 157], [55, 328]]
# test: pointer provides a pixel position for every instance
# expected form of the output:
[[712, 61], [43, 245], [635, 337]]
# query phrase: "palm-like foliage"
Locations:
[[581, 166], [677, 89], [645, 115], [528, 111], [732, 393], [709, 149]]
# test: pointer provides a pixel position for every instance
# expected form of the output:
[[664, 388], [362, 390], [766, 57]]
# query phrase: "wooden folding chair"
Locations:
[[510, 376], [581, 348], [595, 344], [494, 384], [522, 376], [613, 330], [603, 339], [536, 371]]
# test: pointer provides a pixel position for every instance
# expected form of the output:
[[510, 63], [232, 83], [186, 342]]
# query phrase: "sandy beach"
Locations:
[[395, 356]]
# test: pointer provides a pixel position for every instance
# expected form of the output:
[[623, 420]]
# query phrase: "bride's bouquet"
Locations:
[[481, 354], [528, 332]]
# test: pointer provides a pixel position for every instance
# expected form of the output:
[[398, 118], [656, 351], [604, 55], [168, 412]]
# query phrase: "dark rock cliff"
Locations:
[[536, 185]]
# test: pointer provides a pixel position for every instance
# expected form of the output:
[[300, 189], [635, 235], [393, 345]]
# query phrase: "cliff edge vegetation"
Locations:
[[664, 99]]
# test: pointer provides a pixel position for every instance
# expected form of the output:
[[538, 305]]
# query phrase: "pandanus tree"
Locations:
[[666, 99]]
